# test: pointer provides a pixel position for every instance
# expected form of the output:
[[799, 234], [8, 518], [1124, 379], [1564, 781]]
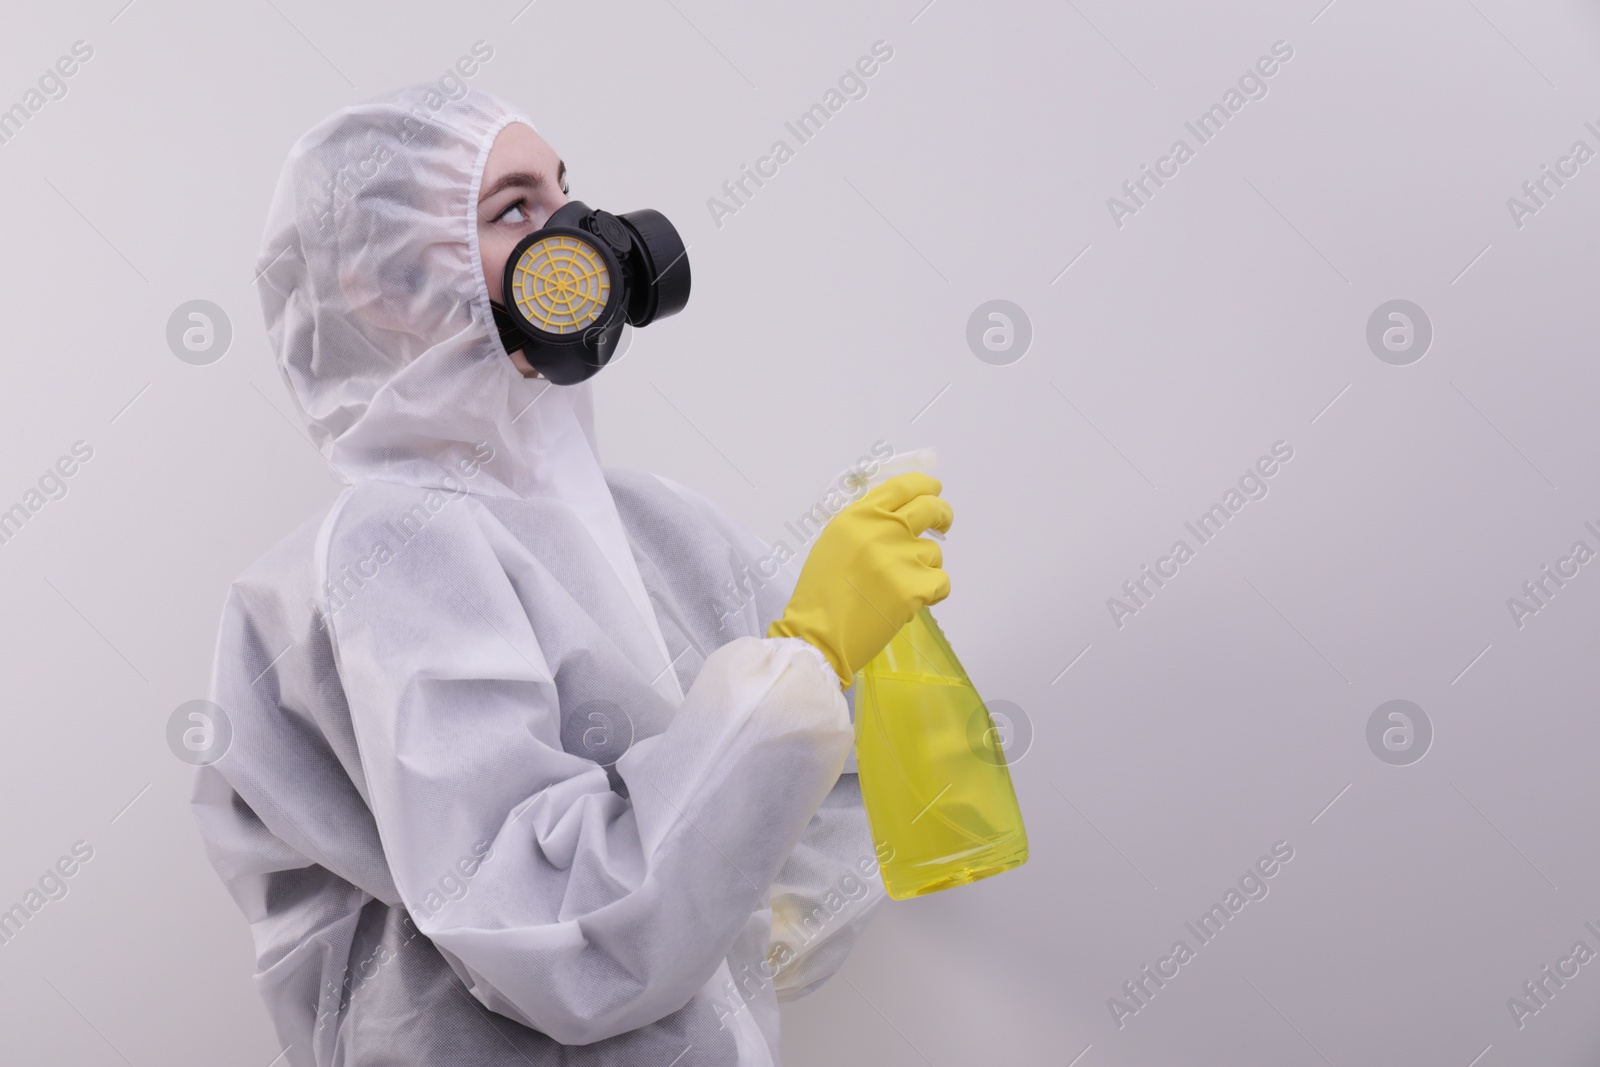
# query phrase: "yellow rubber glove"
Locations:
[[869, 573]]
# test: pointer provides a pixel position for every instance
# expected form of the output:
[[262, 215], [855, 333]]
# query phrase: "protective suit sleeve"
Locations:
[[825, 894], [562, 904], [829, 887]]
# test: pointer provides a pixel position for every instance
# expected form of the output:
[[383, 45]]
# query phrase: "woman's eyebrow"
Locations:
[[522, 179], [515, 179]]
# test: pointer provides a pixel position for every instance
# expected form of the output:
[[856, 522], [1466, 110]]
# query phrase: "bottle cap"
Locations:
[[921, 460]]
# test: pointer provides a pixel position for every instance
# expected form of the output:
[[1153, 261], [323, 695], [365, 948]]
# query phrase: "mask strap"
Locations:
[[511, 335]]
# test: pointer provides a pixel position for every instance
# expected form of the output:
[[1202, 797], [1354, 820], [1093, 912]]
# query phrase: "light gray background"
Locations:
[[829, 313]]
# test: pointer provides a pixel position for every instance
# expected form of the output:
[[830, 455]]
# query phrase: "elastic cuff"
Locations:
[[822, 659]]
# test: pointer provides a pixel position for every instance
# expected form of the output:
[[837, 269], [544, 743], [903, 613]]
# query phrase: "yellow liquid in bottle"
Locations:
[[933, 775]]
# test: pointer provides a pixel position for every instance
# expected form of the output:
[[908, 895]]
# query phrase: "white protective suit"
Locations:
[[515, 777]]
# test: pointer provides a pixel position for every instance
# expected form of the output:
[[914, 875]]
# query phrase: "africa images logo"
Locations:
[[1252, 85], [1252, 485]]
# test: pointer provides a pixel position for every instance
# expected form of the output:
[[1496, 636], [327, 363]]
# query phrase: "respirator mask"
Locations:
[[571, 286]]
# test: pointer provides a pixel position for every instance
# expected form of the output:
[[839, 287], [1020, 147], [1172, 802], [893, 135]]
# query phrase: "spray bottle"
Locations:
[[933, 776]]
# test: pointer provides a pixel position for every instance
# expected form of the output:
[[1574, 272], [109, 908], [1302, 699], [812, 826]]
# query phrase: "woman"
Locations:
[[508, 783]]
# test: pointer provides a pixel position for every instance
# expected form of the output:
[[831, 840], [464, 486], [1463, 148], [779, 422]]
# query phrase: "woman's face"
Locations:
[[524, 182]]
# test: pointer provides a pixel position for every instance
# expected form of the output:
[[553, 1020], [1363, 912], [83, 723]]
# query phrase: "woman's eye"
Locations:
[[514, 213]]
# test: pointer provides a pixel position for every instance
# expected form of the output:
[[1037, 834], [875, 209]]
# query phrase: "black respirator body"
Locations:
[[571, 286]]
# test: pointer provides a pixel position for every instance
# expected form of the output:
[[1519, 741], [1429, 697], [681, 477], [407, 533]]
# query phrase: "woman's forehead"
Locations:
[[519, 147]]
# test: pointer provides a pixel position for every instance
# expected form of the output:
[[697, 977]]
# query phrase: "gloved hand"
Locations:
[[869, 573]]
